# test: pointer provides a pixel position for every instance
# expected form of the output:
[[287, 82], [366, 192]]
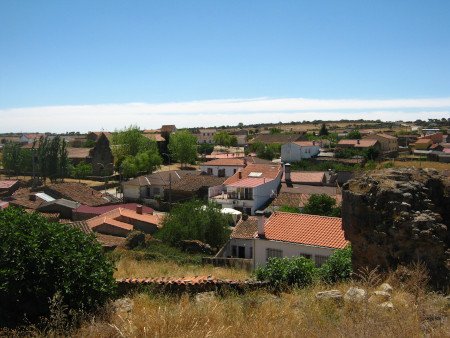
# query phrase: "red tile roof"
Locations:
[[78, 152], [249, 182], [268, 171], [305, 143], [7, 184], [297, 200], [155, 137], [235, 162], [424, 141], [246, 229], [77, 192], [363, 143], [307, 176], [86, 209], [112, 218], [306, 229], [21, 198]]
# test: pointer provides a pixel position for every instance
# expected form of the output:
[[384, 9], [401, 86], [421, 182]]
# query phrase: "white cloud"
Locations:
[[214, 113]]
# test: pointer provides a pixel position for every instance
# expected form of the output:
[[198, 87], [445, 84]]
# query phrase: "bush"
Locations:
[[282, 272], [195, 221], [338, 266], [40, 259], [134, 239]]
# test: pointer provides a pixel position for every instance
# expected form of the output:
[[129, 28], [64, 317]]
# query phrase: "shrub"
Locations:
[[195, 221], [338, 267], [282, 272], [39, 259], [135, 239]]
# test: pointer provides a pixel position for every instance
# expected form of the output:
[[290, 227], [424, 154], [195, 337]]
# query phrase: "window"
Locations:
[[234, 171], [233, 251], [241, 252], [245, 193], [250, 253], [273, 253], [156, 191], [320, 259], [221, 173], [209, 171], [148, 192]]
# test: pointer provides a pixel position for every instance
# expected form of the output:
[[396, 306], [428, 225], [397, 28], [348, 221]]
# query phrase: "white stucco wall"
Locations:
[[289, 250], [262, 193], [229, 170], [130, 192], [291, 152]]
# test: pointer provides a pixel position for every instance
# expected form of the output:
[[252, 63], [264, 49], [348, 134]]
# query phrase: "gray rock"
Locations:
[[123, 304], [355, 294], [386, 287], [330, 294]]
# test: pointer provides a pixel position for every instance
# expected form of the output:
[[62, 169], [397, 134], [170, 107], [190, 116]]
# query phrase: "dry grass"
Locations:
[[130, 267], [260, 314]]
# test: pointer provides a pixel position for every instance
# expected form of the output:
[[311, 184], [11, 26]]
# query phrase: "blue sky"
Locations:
[[62, 59]]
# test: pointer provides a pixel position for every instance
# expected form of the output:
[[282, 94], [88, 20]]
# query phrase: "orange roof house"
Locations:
[[121, 221], [286, 234]]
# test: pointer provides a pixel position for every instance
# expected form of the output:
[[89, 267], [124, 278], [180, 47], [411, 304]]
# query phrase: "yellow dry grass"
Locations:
[[260, 314], [130, 267]]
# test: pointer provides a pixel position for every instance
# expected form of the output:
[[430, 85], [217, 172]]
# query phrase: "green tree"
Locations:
[[129, 167], [321, 204], [354, 135], [183, 147], [371, 154], [52, 158], [12, 157], [40, 259], [281, 272], [195, 221], [131, 145], [287, 208], [224, 139], [323, 130], [81, 170], [338, 266]]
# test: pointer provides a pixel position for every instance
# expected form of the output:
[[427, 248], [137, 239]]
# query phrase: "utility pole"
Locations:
[[170, 191]]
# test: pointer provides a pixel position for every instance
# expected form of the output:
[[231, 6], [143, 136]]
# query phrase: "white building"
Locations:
[[285, 235], [225, 167], [296, 151], [249, 189]]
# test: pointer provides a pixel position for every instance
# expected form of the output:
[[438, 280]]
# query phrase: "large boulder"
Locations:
[[399, 216]]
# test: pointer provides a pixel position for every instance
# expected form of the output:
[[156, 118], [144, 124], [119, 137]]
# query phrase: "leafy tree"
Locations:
[[224, 139], [52, 158], [282, 272], [131, 145], [240, 125], [354, 135], [81, 170], [205, 148], [371, 153], [40, 259], [195, 221], [183, 147], [268, 152], [12, 157], [323, 130], [321, 204], [129, 167], [275, 130], [338, 266]]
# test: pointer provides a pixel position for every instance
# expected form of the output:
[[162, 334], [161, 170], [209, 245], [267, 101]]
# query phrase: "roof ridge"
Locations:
[[309, 215]]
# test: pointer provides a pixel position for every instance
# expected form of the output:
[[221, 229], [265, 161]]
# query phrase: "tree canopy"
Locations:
[[195, 221], [354, 135], [321, 204], [40, 260], [323, 130], [224, 139], [183, 147]]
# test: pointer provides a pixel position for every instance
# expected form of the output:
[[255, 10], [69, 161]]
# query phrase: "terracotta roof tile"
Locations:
[[112, 218], [307, 177], [306, 229], [78, 153], [86, 209], [268, 171], [305, 143], [192, 183], [246, 229], [7, 184], [77, 192], [297, 200], [363, 143], [154, 137], [225, 162], [249, 182], [21, 198]]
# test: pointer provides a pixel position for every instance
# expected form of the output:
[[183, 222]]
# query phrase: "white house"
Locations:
[[285, 234], [223, 167], [296, 151], [249, 189]]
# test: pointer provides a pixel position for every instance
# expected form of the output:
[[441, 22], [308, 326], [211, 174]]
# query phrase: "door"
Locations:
[[241, 251]]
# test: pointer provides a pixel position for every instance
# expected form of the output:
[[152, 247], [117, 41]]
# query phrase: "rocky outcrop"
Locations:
[[398, 216]]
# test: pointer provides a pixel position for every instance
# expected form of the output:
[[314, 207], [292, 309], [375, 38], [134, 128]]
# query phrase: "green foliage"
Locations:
[[323, 130], [281, 272], [224, 139], [268, 152], [205, 148], [81, 170], [195, 221], [88, 144], [183, 147], [39, 259], [338, 266], [15, 159], [349, 152], [275, 130], [134, 152], [287, 208], [52, 158], [322, 204], [370, 165], [354, 135], [322, 166], [371, 153]]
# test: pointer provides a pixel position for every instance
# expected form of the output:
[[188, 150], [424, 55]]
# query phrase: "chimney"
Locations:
[[357, 141], [240, 174], [32, 197], [261, 221], [287, 172], [314, 143], [139, 209]]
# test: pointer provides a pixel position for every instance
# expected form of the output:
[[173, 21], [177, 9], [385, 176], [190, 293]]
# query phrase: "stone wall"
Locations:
[[398, 216]]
